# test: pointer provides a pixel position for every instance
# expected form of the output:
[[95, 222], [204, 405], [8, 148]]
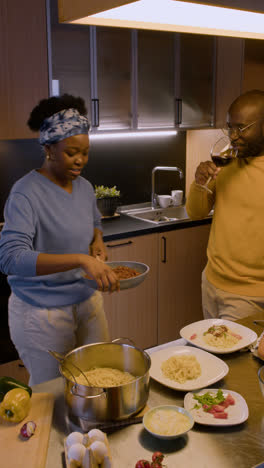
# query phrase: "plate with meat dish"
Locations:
[[186, 368], [130, 274], [216, 407], [218, 336]]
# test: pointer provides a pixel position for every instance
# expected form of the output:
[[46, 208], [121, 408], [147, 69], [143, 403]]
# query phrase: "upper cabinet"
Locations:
[[70, 58], [130, 79], [229, 75], [111, 78], [155, 79], [135, 79], [254, 65], [24, 64], [196, 56]]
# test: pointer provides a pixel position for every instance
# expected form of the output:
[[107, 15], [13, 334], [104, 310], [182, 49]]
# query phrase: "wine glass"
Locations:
[[222, 153]]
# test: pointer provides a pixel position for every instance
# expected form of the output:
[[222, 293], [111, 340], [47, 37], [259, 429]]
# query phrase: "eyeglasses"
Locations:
[[239, 130]]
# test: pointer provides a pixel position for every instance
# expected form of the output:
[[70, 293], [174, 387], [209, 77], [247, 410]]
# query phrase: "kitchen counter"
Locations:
[[204, 447], [125, 226]]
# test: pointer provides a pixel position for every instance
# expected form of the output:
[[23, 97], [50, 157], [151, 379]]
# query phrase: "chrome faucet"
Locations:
[[161, 168]]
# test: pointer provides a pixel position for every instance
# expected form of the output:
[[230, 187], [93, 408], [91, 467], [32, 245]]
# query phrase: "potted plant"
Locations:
[[107, 199]]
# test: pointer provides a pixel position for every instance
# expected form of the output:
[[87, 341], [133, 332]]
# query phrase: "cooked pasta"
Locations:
[[105, 377], [181, 368], [220, 336]]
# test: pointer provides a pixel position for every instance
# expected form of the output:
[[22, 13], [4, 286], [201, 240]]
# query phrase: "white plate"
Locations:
[[237, 413], [213, 368], [254, 348], [198, 328]]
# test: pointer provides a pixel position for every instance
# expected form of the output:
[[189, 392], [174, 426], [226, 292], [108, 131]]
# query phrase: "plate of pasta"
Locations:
[[218, 336], [186, 368]]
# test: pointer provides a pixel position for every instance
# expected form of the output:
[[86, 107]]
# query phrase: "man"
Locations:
[[233, 280]]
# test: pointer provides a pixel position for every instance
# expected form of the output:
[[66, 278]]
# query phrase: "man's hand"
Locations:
[[204, 171]]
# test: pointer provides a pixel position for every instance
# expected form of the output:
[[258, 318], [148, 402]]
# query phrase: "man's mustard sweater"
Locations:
[[236, 244]]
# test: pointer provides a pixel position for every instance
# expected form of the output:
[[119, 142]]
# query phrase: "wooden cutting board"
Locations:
[[31, 453]]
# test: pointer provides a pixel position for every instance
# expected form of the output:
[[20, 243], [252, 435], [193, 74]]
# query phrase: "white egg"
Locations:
[[76, 452], [96, 434], [99, 450], [74, 438], [86, 440]]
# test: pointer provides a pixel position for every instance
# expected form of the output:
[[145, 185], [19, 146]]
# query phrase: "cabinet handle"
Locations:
[[178, 120], [95, 103], [119, 245], [164, 240]]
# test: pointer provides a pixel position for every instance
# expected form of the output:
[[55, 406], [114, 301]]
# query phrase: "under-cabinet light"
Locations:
[[143, 134], [177, 16]]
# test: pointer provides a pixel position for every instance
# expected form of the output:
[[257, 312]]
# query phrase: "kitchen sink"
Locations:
[[158, 215]]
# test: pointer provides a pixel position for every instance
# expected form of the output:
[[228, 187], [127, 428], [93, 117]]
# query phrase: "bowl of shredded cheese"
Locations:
[[168, 421]]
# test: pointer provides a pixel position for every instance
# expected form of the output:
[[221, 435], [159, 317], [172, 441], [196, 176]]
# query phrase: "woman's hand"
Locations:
[[104, 276], [98, 249], [204, 171]]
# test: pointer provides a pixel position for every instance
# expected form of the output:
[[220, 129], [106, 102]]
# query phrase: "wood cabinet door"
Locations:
[[132, 313], [24, 64], [182, 260]]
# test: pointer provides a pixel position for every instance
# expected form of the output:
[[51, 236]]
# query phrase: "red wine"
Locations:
[[221, 161]]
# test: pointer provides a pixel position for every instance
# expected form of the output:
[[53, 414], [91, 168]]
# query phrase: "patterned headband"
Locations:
[[62, 125]]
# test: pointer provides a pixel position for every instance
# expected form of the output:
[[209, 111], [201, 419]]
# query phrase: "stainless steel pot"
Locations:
[[95, 404]]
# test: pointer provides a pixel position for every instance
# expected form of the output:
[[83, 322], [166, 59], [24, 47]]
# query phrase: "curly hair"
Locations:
[[52, 105]]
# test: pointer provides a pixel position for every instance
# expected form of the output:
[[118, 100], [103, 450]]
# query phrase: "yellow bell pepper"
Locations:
[[15, 405]]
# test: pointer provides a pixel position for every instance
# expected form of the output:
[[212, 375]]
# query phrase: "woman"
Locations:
[[50, 240]]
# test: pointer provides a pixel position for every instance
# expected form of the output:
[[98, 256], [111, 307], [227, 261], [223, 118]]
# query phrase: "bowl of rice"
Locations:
[[168, 421], [130, 274]]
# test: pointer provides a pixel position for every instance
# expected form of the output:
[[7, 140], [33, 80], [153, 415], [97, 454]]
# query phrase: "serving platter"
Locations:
[[193, 333], [213, 369], [237, 413]]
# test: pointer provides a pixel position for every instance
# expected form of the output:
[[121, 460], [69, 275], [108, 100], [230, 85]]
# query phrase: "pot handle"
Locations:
[[122, 340], [74, 393]]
